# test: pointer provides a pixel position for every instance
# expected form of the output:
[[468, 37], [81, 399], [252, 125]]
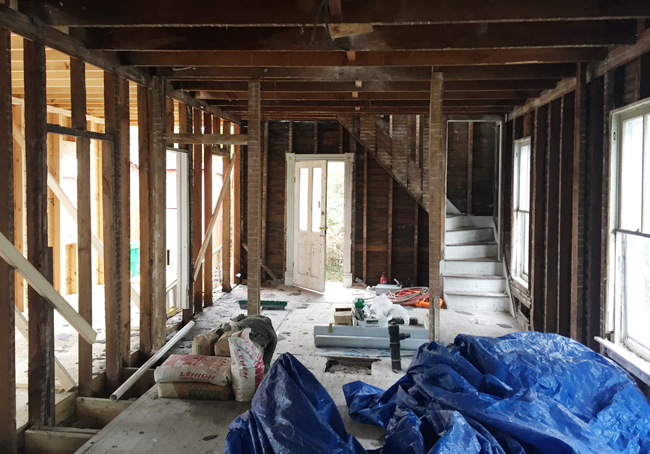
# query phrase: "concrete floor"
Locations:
[[154, 425]]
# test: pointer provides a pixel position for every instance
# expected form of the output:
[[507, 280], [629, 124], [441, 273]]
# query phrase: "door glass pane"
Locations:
[[637, 288], [524, 178], [631, 174], [304, 199], [316, 199]]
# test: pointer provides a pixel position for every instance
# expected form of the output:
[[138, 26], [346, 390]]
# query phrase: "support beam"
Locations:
[[208, 266], [41, 314], [20, 289], [111, 156], [254, 195], [158, 170], [77, 132], [185, 125], [437, 176], [124, 163], [84, 231], [225, 227], [176, 13], [8, 439], [538, 219], [197, 213], [207, 139], [145, 154], [236, 230], [290, 59], [53, 208]]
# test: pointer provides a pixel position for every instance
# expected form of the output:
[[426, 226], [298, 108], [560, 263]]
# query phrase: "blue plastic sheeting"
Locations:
[[521, 393], [291, 413]]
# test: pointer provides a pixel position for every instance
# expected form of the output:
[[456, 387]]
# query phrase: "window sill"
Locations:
[[627, 359]]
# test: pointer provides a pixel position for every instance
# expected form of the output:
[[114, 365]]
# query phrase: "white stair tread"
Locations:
[[474, 276], [477, 294], [477, 259], [466, 228]]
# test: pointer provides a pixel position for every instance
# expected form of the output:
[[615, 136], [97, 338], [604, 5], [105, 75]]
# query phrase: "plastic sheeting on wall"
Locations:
[[521, 393]]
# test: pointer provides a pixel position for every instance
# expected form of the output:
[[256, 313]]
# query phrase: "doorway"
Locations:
[[309, 231]]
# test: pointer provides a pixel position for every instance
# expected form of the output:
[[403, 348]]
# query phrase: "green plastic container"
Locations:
[[135, 259]]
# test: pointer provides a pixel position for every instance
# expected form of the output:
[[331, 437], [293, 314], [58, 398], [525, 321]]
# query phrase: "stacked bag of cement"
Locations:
[[228, 360]]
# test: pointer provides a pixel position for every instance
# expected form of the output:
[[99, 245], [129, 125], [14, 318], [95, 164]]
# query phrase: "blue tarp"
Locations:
[[521, 393]]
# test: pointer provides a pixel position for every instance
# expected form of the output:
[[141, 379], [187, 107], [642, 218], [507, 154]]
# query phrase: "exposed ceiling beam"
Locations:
[[369, 86], [380, 58], [380, 73], [370, 96], [270, 111], [299, 12], [383, 38]]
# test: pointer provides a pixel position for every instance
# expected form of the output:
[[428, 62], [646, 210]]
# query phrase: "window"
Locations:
[[521, 209], [630, 233]]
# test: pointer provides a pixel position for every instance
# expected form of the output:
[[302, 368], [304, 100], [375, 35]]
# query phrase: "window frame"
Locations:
[[616, 307], [520, 257]]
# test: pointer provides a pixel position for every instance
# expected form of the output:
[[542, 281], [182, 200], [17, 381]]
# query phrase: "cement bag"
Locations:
[[247, 366], [222, 346], [192, 390], [194, 368], [203, 344]]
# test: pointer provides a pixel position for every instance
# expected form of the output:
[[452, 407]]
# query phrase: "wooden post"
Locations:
[[125, 217], [578, 320], [84, 246], [184, 126], [111, 156], [236, 221], [538, 219], [225, 229], [157, 182], [53, 205], [470, 164], [436, 201], [41, 313], [197, 212], [145, 144], [8, 441], [552, 216], [254, 195], [365, 216], [265, 166], [389, 239], [19, 199], [208, 266]]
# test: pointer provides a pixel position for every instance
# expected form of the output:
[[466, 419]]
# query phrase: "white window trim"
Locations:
[[517, 272], [614, 304]]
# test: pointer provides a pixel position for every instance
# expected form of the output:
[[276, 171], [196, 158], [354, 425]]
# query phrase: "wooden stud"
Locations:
[[208, 266], [389, 244], [145, 154], [552, 217], [225, 229], [41, 314], [53, 206], [184, 126], [84, 232], [236, 221], [315, 136], [158, 177], [197, 210], [254, 195], [8, 440], [578, 328], [20, 289], [416, 220], [111, 174], [437, 179], [470, 164], [124, 163], [265, 180], [538, 217], [365, 217]]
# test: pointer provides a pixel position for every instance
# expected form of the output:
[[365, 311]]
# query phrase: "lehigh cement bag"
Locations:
[[247, 366], [222, 346], [203, 344], [194, 368], [199, 391]]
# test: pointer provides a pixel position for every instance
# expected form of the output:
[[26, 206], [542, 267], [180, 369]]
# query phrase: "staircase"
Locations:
[[473, 276]]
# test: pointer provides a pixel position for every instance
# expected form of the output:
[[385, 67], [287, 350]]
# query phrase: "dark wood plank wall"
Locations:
[[483, 163], [553, 180], [457, 140], [408, 253]]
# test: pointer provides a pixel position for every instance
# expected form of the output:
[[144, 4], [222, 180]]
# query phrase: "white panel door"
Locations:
[[309, 228]]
